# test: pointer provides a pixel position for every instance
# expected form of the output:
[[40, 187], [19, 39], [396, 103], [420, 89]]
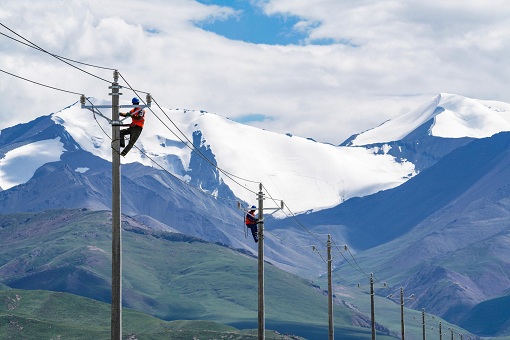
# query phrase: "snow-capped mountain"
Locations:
[[426, 134], [450, 116], [305, 174]]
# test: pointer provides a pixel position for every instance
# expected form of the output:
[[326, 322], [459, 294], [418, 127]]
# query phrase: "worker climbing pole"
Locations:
[[256, 225], [260, 222], [116, 309]]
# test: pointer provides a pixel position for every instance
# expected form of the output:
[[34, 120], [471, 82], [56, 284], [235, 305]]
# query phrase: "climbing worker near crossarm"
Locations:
[[251, 222], [134, 130]]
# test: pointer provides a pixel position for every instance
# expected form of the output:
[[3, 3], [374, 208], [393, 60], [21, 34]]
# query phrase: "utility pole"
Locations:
[[330, 290], [440, 331], [116, 324], [372, 306], [116, 307], [402, 312], [423, 322], [261, 328]]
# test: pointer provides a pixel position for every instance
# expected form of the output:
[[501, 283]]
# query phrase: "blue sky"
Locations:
[[252, 25]]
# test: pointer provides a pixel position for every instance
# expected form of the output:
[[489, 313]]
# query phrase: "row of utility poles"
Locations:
[[402, 323], [372, 305], [116, 306]]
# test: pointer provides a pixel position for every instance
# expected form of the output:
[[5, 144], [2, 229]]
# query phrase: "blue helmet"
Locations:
[[135, 101], [253, 207]]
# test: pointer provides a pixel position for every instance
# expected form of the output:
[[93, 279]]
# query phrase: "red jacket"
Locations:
[[250, 219], [137, 115]]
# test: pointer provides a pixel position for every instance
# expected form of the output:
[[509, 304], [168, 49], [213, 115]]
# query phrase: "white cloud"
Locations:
[[391, 57]]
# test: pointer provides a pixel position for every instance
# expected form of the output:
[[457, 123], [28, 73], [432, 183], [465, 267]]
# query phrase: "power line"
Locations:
[[164, 169], [279, 238], [40, 84], [199, 152], [190, 144], [358, 267], [294, 217], [194, 148], [228, 174], [56, 55], [334, 273], [53, 55], [298, 222]]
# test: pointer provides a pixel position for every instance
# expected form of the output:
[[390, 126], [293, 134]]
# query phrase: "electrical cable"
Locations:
[[296, 220], [194, 147], [187, 139], [53, 55], [358, 268], [312, 234], [40, 84], [168, 172], [361, 269], [188, 143], [316, 237], [56, 55], [333, 272]]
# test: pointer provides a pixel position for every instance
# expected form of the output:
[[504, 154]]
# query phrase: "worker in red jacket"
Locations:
[[134, 130], [251, 222]]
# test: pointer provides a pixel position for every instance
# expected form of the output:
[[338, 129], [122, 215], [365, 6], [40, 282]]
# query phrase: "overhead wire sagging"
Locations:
[[179, 134]]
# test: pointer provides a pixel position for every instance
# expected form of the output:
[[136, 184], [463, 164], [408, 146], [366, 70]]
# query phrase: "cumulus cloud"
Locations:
[[387, 58]]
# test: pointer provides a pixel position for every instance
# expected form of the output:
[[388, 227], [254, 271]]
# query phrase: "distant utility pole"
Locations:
[[330, 290], [372, 305], [116, 308], [423, 322], [402, 312], [261, 328], [440, 331]]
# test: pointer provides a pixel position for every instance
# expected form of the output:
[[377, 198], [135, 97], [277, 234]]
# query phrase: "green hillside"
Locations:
[[50, 315], [169, 276]]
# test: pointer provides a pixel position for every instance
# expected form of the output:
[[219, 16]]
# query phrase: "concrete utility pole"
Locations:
[[330, 290], [402, 312], [116, 326], [116, 308], [372, 305], [423, 322], [261, 329], [440, 331]]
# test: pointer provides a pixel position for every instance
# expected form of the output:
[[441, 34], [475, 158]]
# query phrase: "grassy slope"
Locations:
[[45, 315], [169, 276]]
